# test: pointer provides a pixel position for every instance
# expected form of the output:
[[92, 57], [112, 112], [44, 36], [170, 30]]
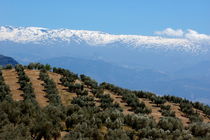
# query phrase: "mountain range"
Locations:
[[177, 65]]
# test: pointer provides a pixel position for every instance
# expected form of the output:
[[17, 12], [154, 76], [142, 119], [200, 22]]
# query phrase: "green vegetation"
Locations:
[[129, 97], [25, 84], [83, 119], [166, 111], [50, 88], [8, 66], [187, 108], [106, 101], [4, 89], [25, 121], [158, 100], [89, 82]]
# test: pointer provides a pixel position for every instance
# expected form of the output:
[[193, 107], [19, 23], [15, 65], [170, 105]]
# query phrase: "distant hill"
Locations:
[[4, 60]]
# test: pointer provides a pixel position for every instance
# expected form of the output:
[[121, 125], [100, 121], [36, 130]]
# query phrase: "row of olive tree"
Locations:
[[25, 84], [69, 77], [141, 94], [4, 89], [160, 100], [196, 105], [89, 81], [50, 88], [105, 100], [38, 66], [187, 108], [129, 97]]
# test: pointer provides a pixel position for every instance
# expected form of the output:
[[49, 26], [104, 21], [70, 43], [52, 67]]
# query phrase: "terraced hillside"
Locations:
[[56, 103]]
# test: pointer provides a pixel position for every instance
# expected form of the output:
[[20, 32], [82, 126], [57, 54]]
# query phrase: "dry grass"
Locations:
[[37, 84], [118, 99], [11, 79], [156, 114], [66, 97]]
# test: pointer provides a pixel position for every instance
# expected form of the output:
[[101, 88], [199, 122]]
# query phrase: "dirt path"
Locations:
[[11, 79], [156, 114], [66, 96], [38, 87], [179, 114], [118, 99]]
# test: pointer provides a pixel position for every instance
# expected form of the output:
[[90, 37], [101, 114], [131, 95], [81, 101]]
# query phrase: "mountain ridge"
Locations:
[[190, 43]]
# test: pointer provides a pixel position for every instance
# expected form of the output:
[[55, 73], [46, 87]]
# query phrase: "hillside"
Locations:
[[39, 102], [4, 60], [193, 81]]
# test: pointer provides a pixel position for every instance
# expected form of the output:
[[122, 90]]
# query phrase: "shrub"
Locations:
[[168, 113], [117, 134], [170, 123], [83, 101], [8, 66], [88, 81], [200, 129], [140, 121], [165, 107], [158, 100]]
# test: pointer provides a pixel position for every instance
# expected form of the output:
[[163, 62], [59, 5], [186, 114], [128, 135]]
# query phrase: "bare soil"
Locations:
[[37, 84], [156, 114], [179, 113], [66, 97]]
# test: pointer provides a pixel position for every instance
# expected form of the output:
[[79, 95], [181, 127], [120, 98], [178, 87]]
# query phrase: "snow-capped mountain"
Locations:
[[191, 41], [169, 62]]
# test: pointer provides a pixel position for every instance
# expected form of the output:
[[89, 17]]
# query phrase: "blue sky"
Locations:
[[112, 16]]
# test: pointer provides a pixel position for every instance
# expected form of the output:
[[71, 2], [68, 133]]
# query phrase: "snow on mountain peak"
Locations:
[[183, 41]]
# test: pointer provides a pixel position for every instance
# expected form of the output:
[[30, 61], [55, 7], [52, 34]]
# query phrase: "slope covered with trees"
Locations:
[[78, 107]]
